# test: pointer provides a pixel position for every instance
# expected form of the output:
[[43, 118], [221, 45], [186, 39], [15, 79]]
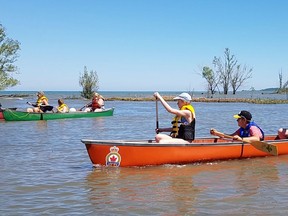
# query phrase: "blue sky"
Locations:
[[153, 45]]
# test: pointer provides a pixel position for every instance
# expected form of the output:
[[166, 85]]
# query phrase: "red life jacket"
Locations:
[[95, 104]]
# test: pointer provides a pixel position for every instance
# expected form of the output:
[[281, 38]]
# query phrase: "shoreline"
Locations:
[[170, 98], [205, 100]]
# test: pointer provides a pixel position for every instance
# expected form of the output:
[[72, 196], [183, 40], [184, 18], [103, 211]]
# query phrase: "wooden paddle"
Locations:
[[260, 145]]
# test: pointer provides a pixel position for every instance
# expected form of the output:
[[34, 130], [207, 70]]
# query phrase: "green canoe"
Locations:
[[13, 115]]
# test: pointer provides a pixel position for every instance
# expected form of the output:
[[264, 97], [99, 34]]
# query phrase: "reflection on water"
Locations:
[[221, 188], [41, 125], [45, 168], [142, 189]]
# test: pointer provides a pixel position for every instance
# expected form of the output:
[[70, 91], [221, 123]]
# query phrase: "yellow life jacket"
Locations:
[[40, 100], [176, 120], [61, 108]]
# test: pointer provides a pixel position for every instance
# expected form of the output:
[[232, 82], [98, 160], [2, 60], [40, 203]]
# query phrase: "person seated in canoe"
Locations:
[[248, 129], [41, 104], [183, 124], [282, 133], [97, 103], [62, 107]]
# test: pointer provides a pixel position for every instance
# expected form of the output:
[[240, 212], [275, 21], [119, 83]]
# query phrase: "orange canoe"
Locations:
[[123, 153]]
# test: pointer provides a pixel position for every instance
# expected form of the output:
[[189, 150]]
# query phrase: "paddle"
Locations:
[[82, 108], [88, 104], [10, 108], [34, 105], [260, 145], [157, 122], [46, 107]]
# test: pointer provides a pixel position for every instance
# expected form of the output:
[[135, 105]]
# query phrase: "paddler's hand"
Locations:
[[156, 95], [216, 133], [213, 131], [158, 130], [238, 138]]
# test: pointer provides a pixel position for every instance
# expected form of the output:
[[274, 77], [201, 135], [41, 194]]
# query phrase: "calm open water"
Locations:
[[45, 169]]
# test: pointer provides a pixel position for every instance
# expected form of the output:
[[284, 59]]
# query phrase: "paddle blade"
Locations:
[[46, 108], [265, 147], [49, 108]]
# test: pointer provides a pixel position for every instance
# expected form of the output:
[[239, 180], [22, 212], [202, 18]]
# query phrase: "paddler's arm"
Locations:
[[250, 138], [233, 136], [88, 105], [184, 113], [214, 132], [167, 106], [163, 130], [222, 135], [164, 103]]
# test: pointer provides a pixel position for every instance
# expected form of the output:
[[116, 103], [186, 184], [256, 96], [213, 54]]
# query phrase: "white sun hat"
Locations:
[[183, 96]]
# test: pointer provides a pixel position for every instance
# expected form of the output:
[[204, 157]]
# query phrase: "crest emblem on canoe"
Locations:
[[113, 158]]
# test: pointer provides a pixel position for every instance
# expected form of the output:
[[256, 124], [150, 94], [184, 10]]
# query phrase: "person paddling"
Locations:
[[97, 103], [185, 116], [41, 104], [282, 133], [248, 129]]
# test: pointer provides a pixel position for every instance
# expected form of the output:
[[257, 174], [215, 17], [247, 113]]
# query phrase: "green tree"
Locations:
[[8, 56], [89, 83], [211, 78]]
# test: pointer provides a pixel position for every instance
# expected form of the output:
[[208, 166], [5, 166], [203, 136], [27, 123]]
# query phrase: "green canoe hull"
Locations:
[[12, 115]]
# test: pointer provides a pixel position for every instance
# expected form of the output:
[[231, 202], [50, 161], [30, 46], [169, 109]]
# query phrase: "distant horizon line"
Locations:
[[266, 89]]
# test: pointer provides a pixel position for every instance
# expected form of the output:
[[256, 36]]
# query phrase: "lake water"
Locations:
[[45, 169]]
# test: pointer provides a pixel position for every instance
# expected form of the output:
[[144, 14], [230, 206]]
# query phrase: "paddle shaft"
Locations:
[[157, 121], [88, 104], [82, 108], [224, 135]]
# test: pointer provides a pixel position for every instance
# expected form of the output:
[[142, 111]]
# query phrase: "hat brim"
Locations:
[[180, 98], [177, 98], [237, 116]]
